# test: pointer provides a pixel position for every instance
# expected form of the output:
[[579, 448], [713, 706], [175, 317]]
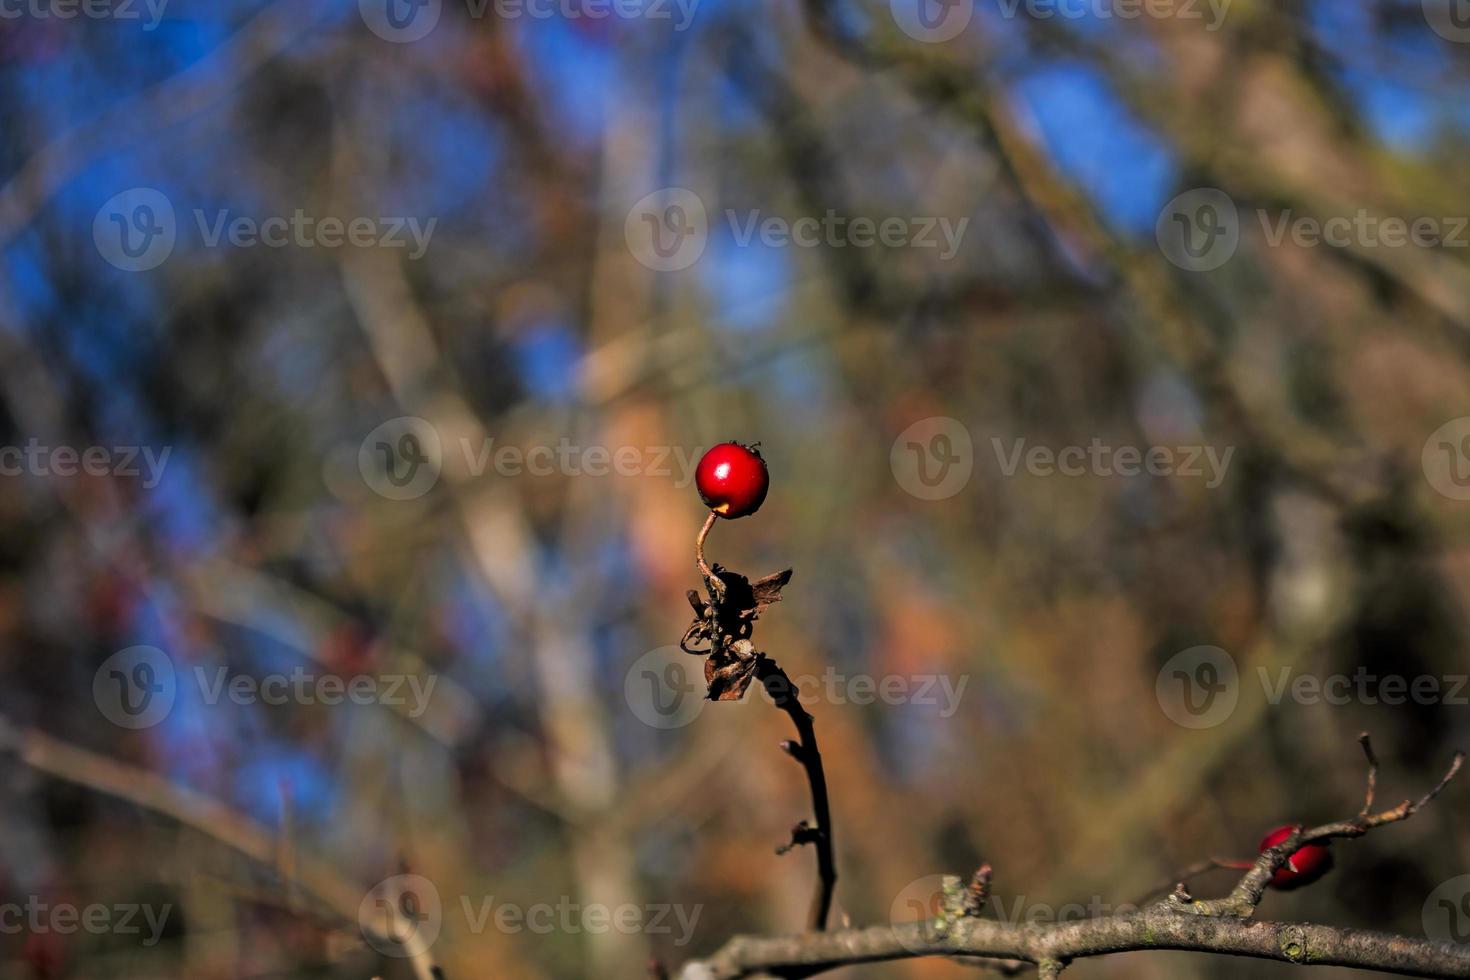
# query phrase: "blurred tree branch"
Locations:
[[211, 818]]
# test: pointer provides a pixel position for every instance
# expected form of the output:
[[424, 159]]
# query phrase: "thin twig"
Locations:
[[1367, 742], [1184, 876], [784, 694], [1247, 894]]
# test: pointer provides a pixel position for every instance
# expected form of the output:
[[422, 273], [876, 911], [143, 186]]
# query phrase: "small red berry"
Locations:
[[732, 479], [1304, 866]]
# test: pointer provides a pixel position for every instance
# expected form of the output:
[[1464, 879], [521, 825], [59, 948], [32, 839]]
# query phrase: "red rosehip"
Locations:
[[1303, 867], [732, 479]]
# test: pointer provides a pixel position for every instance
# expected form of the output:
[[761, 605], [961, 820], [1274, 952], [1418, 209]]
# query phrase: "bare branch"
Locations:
[[1242, 901], [1152, 929], [1221, 926], [783, 693], [215, 820]]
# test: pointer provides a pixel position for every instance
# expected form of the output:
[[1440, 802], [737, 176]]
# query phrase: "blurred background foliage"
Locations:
[[530, 320]]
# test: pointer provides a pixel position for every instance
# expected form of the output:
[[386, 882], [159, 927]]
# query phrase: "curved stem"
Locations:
[[709, 523]]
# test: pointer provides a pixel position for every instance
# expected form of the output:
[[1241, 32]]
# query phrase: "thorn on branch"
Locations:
[[802, 833]]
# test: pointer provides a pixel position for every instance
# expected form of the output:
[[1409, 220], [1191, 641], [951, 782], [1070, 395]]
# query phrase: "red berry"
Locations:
[[1305, 866], [732, 479]]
